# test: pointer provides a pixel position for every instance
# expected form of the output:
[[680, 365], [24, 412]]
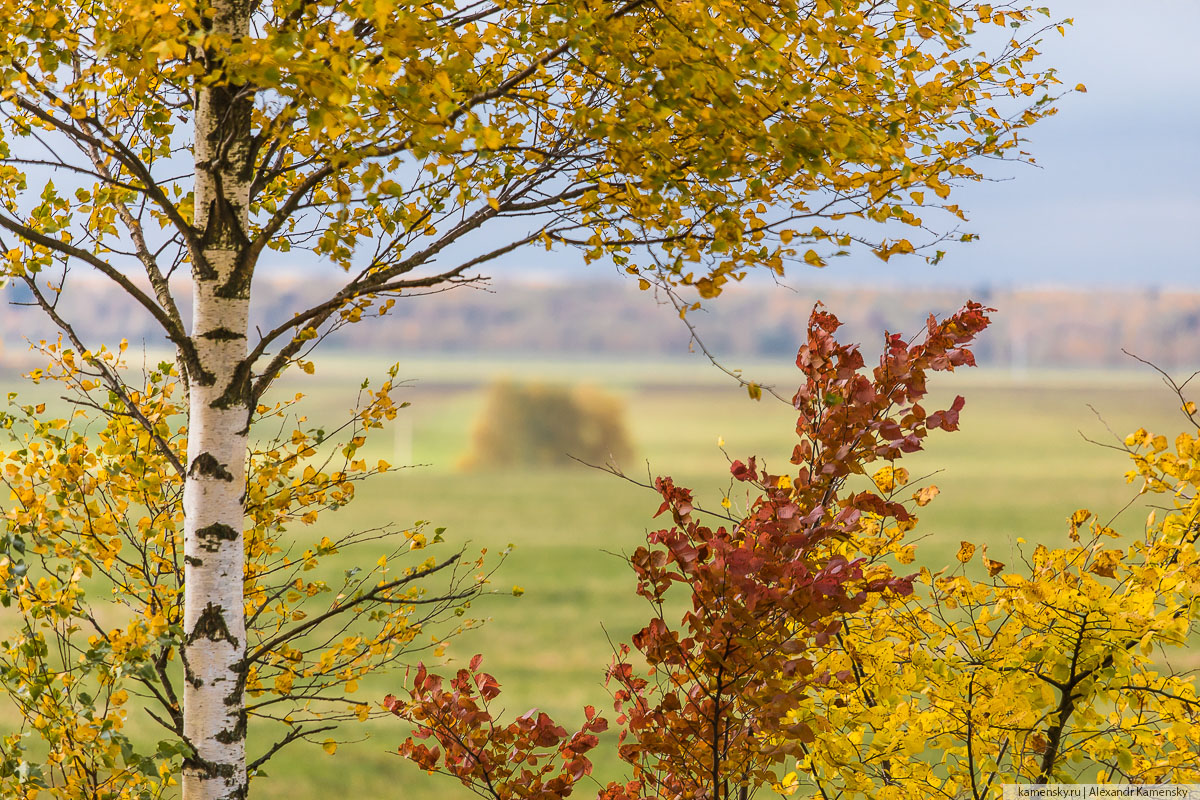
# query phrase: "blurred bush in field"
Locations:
[[546, 425]]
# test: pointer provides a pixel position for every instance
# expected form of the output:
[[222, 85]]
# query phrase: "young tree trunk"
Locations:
[[214, 720]]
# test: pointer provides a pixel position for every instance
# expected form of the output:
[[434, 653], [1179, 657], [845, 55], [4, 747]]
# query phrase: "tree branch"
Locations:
[[173, 331], [296, 733], [372, 595], [115, 384]]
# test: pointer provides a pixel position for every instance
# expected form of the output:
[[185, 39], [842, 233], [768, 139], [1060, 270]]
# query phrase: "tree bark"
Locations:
[[214, 719]]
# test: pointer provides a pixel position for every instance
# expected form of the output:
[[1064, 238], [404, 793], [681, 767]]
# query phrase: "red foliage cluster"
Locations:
[[848, 420], [531, 758], [708, 718]]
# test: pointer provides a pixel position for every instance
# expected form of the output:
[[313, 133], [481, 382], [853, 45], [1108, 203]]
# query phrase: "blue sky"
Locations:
[[1115, 200]]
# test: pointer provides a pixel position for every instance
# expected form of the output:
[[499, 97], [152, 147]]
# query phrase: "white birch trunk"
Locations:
[[214, 722]]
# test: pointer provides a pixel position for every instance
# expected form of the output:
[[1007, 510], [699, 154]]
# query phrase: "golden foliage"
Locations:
[[1058, 671], [91, 565]]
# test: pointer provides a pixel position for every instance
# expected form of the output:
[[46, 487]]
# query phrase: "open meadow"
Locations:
[[1019, 466]]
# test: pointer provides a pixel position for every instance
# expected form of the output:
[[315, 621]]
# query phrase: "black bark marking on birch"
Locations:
[[222, 335], [187, 352], [202, 377], [235, 734], [212, 536], [208, 770], [223, 230], [235, 696], [202, 269], [237, 285], [192, 561], [233, 126], [237, 393], [206, 465], [188, 674], [211, 626]]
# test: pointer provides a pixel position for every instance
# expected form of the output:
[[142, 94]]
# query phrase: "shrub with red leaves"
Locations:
[[707, 716]]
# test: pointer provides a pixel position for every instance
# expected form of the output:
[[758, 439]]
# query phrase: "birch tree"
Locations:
[[413, 144], [91, 564]]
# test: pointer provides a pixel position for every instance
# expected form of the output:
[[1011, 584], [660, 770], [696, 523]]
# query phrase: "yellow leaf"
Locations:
[[888, 479], [1079, 87], [1105, 563], [925, 496], [517, 591], [330, 746], [491, 138], [885, 479], [283, 682], [965, 551], [993, 567]]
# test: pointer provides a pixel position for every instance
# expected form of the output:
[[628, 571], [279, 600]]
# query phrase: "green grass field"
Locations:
[[1018, 467]]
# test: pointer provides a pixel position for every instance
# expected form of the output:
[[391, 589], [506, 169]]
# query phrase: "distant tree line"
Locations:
[[1034, 327]]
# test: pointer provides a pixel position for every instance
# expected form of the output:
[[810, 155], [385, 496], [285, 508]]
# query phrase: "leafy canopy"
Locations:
[[686, 141]]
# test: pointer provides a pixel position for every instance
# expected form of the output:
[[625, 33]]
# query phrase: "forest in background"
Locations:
[[1034, 328]]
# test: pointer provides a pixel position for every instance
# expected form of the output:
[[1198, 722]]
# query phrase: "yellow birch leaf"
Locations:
[[925, 496]]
